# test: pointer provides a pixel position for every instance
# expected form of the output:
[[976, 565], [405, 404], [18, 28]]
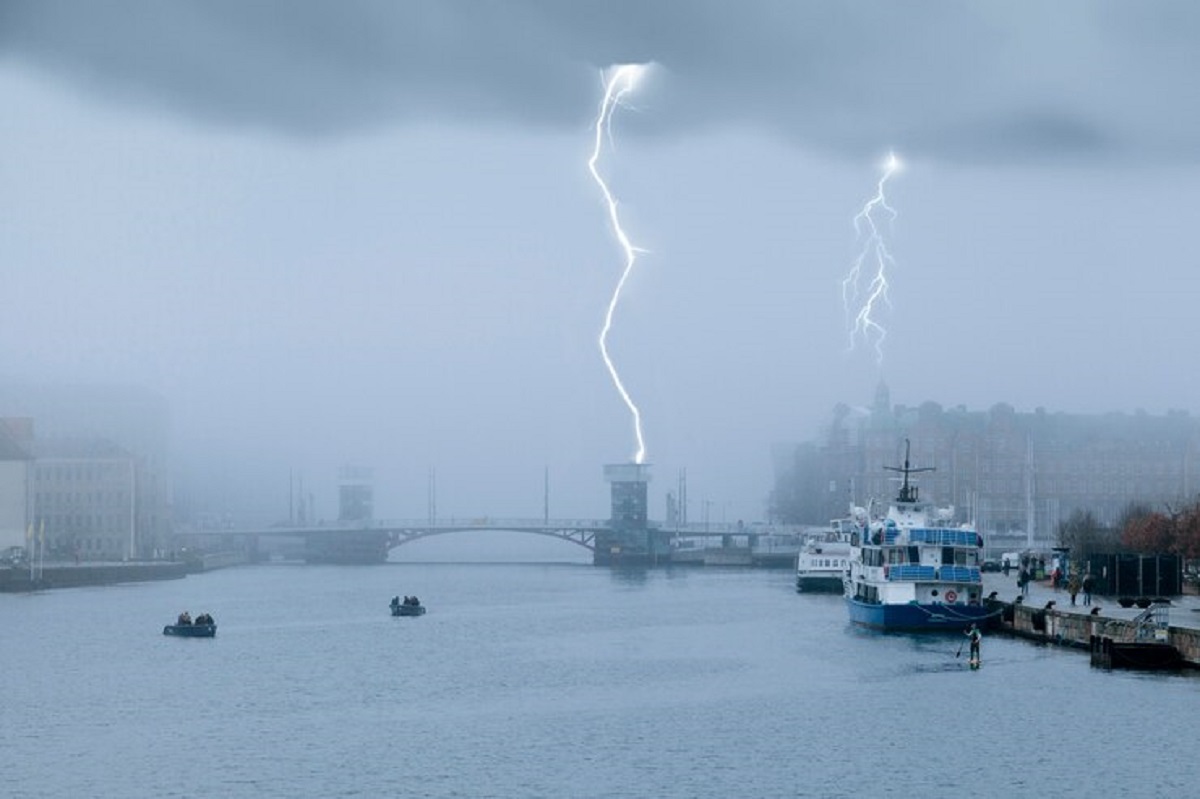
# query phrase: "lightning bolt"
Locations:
[[874, 252], [621, 81]]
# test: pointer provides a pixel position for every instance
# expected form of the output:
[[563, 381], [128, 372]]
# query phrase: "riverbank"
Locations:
[[1046, 616], [72, 575]]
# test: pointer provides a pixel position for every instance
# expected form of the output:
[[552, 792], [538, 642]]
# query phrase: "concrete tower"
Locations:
[[631, 539]]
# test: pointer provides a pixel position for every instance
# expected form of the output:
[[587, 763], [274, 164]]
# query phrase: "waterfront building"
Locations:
[[95, 442], [85, 497], [1016, 474], [14, 484]]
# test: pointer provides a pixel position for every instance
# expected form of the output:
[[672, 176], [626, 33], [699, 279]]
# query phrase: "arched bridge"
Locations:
[[370, 541], [578, 531]]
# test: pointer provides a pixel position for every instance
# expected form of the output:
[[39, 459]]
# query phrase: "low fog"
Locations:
[[365, 233]]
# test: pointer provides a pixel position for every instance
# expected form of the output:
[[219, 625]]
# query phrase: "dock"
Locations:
[[1047, 616]]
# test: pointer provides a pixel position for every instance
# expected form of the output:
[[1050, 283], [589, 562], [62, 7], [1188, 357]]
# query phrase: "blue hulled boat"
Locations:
[[914, 570]]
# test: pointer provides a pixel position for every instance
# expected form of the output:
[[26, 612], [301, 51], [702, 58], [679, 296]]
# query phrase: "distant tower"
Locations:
[[629, 506], [883, 399], [630, 540], [356, 496]]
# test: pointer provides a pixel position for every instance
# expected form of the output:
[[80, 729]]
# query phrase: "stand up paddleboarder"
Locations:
[[975, 637]]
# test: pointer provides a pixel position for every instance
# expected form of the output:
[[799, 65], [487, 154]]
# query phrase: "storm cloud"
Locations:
[[985, 81]]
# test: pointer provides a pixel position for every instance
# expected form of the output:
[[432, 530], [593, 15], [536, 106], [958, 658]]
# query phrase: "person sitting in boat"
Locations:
[[396, 601], [976, 637], [184, 618], [204, 618], [415, 601]]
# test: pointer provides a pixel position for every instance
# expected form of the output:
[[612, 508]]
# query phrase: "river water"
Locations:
[[552, 680]]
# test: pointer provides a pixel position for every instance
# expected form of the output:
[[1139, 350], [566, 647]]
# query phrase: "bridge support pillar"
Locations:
[[644, 547], [358, 547]]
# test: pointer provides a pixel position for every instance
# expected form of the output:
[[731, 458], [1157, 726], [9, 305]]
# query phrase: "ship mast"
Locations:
[[908, 493]]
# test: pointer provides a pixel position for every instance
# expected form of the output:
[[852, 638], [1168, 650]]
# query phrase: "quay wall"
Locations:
[[73, 576], [218, 560], [1076, 629]]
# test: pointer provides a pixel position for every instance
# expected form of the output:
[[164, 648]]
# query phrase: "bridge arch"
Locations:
[[583, 537]]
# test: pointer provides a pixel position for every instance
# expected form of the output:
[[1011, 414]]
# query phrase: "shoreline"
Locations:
[[60, 575], [1078, 628]]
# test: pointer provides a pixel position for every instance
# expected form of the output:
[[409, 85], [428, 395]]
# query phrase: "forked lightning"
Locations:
[[861, 304], [621, 81]]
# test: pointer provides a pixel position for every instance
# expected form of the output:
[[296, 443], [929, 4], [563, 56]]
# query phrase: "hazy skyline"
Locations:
[[364, 233]]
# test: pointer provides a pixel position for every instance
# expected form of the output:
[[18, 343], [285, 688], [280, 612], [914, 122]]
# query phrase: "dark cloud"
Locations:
[[1008, 80]]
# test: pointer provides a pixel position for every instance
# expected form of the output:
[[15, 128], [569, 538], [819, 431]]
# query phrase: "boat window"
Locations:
[[948, 555], [914, 555], [960, 557]]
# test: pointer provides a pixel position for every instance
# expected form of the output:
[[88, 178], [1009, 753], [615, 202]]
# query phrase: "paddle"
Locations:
[[960, 646]]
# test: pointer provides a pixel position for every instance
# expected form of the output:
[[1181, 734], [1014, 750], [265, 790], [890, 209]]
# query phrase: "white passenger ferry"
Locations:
[[823, 560], [913, 570]]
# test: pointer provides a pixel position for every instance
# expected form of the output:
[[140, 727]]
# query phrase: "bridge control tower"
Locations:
[[630, 539], [356, 505], [356, 501]]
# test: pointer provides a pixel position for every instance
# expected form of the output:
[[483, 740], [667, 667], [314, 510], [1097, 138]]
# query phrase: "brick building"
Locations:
[[1014, 473]]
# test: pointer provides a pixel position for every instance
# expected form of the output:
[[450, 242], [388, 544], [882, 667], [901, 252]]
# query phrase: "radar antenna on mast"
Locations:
[[908, 493]]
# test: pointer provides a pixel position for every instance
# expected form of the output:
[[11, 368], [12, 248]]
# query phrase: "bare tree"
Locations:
[[1085, 536]]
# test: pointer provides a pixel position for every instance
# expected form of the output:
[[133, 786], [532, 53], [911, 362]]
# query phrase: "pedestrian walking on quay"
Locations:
[[1073, 587]]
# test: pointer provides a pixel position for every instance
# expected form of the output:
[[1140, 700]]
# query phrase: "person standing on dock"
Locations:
[[1088, 581], [1073, 587]]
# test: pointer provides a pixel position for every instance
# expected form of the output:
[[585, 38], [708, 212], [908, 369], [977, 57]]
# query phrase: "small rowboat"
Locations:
[[191, 630]]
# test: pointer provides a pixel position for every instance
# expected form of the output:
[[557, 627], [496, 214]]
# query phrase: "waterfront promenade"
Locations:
[[1075, 625], [1185, 609]]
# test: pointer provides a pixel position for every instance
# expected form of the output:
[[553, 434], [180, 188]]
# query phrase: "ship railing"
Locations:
[[932, 535], [1153, 623], [960, 574], [903, 572], [943, 536], [910, 571]]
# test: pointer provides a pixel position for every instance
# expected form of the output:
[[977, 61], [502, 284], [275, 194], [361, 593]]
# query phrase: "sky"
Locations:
[[364, 233]]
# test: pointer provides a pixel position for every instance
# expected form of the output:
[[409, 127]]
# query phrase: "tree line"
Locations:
[[1140, 529]]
